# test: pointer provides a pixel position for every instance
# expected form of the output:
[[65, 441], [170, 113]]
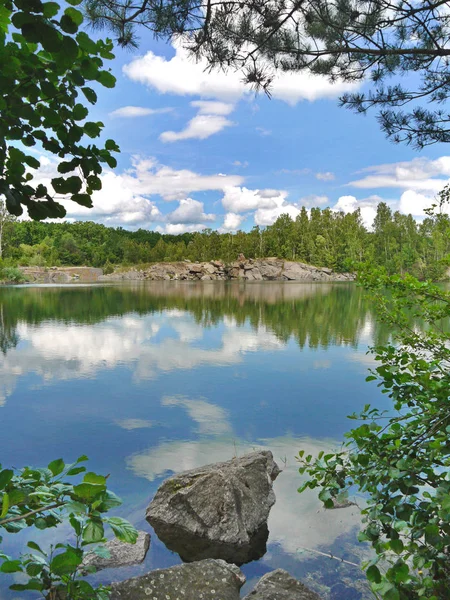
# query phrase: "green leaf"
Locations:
[[93, 531], [111, 145], [396, 546], [94, 478], [373, 574], [57, 466], [50, 9], [75, 15], [68, 25], [76, 524], [35, 546], [71, 185], [92, 129], [107, 501], [69, 50], [95, 183], [5, 506], [5, 477], [106, 78], [91, 96], [79, 112], [11, 566], [86, 43], [123, 530], [66, 563], [102, 551], [88, 491], [75, 507], [34, 569], [75, 470]]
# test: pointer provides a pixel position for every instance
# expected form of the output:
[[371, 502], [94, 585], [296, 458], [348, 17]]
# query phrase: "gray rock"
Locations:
[[270, 269], [195, 268], [206, 580], [217, 511], [295, 271], [122, 554], [209, 268], [279, 585]]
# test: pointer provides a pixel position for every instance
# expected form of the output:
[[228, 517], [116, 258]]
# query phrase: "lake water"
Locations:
[[156, 378]]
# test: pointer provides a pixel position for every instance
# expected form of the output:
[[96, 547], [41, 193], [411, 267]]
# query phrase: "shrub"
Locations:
[[12, 275]]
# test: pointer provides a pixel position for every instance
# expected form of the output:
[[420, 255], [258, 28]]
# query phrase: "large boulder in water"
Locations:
[[279, 585], [217, 511], [206, 579]]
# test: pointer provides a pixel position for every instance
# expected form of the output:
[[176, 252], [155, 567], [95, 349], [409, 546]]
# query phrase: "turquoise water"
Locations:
[[156, 378]]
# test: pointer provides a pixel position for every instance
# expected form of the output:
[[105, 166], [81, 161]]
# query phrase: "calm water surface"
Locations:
[[152, 379]]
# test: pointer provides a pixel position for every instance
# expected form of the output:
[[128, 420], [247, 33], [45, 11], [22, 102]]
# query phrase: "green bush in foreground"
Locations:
[[400, 458], [44, 498]]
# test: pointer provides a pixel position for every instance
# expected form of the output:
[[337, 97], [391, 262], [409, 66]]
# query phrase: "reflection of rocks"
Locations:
[[121, 554], [207, 579], [217, 511], [272, 269], [279, 585]]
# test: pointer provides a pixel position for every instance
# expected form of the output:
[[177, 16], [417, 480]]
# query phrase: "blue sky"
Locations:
[[200, 150]]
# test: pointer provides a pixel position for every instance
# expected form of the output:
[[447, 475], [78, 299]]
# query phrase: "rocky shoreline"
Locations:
[[268, 269], [209, 516]]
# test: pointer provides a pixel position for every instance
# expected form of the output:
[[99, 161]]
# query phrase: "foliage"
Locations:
[[322, 237], [46, 64], [401, 458], [6, 221], [43, 498], [12, 275], [347, 40]]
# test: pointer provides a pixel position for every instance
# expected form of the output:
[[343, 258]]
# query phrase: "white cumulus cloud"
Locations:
[[240, 199], [368, 207], [232, 221], [189, 211], [138, 111], [420, 174], [268, 216], [412, 202], [184, 76], [209, 107], [148, 177], [200, 127]]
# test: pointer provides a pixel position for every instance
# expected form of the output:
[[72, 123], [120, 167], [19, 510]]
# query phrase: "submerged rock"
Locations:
[[206, 579], [121, 554], [279, 585], [217, 511]]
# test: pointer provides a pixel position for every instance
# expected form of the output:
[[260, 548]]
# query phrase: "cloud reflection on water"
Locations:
[[63, 352]]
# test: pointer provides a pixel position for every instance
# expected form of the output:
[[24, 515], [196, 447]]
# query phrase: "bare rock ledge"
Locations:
[[268, 269]]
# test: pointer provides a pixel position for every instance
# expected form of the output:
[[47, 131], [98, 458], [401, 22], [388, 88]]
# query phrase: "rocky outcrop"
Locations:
[[279, 585], [120, 554], [217, 511], [268, 269], [62, 274], [207, 579]]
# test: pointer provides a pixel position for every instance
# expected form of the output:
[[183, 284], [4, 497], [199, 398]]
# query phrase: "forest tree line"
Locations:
[[320, 237]]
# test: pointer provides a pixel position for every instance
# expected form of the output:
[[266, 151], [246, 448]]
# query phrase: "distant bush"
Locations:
[[108, 268], [12, 274]]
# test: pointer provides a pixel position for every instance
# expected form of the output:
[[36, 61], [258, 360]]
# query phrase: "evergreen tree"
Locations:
[[348, 40]]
